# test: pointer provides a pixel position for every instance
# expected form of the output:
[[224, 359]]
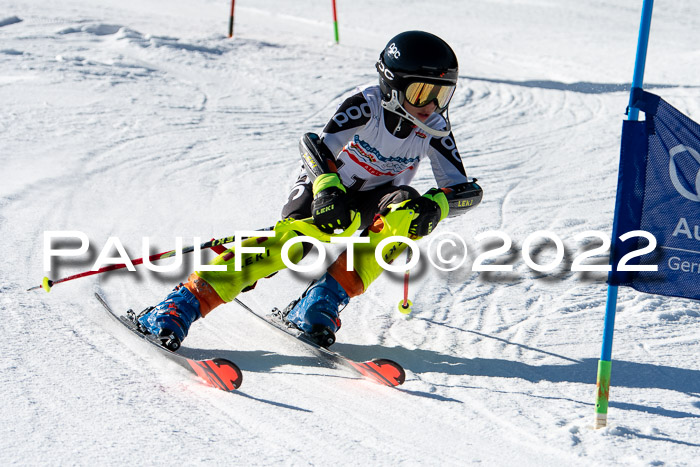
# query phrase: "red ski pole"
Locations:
[[304, 226], [230, 20], [335, 23], [405, 304], [48, 283]]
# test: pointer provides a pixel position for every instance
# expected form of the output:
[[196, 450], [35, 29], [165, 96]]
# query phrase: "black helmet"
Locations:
[[420, 68]]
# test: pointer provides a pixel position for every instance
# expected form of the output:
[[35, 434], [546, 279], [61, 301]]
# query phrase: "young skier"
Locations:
[[360, 166]]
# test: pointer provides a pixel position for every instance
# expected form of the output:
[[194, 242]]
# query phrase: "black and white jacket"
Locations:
[[373, 147]]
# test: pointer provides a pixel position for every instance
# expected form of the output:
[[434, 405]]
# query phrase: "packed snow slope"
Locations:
[[135, 119]]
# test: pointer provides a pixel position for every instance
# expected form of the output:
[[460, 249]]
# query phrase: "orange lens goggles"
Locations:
[[421, 94]]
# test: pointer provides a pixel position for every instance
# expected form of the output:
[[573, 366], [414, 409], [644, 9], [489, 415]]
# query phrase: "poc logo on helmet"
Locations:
[[385, 71], [393, 51]]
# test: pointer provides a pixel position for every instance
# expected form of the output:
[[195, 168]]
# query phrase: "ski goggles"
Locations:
[[421, 94]]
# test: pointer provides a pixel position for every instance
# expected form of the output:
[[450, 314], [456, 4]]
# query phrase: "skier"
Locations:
[[360, 165]]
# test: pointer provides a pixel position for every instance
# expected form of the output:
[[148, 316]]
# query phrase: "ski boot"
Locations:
[[170, 320], [316, 312]]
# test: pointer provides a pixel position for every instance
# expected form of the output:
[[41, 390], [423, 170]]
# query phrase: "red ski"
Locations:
[[217, 372], [381, 371]]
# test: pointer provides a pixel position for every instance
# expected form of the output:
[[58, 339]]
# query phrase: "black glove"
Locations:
[[330, 205], [431, 208]]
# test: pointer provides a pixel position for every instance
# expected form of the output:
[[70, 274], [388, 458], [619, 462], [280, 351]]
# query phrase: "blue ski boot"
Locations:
[[316, 312], [170, 320]]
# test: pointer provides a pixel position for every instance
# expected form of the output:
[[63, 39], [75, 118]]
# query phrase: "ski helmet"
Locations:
[[417, 67]]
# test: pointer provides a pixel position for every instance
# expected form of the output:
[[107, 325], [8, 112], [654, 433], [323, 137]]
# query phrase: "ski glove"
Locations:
[[330, 205], [430, 208]]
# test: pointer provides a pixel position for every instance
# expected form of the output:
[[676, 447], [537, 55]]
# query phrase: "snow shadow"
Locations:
[[635, 433], [624, 373], [9, 20], [258, 361], [583, 87]]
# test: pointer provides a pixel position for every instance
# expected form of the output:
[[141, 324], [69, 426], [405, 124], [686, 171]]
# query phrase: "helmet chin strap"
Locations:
[[394, 106]]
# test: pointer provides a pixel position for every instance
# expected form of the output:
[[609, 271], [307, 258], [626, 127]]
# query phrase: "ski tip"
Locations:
[[218, 373], [236, 383], [385, 371], [391, 370]]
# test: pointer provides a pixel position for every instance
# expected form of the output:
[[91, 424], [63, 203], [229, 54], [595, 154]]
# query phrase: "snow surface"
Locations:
[[129, 119]]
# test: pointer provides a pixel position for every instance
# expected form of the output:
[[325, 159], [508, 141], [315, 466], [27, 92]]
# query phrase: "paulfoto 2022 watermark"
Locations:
[[447, 251]]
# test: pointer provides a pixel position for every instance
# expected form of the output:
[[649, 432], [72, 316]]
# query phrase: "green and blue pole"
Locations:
[[605, 362]]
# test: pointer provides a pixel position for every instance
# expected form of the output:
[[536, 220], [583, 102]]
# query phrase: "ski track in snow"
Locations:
[[127, 120]]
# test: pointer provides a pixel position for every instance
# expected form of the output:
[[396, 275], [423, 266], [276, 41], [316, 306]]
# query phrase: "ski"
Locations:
[[218, 373], [381, 371]]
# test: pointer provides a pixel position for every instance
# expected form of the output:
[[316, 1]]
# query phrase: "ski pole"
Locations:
[[48, 283], [335, 23], [405, 304], [230, 19], [304, 226]]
